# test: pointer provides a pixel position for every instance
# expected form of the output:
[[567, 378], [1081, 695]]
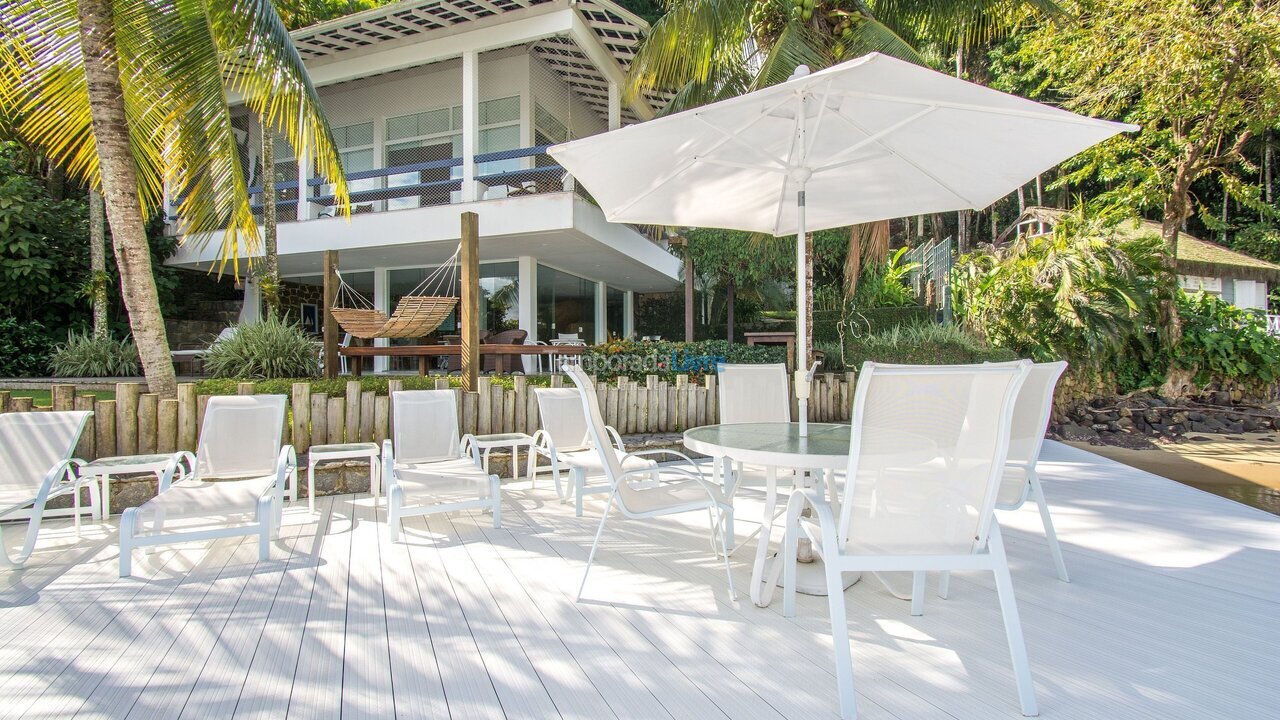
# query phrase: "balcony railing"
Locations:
[[538, 175], [1273, 324]]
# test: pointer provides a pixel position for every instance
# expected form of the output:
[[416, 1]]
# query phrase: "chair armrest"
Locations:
[[542, 443], [286, 463], [173, 467], [467, 446], [617, 439], [388, 463], [831, 538]]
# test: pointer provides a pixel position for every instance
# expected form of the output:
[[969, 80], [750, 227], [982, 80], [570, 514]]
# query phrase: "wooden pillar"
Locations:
[[470, 258], [330, 324]]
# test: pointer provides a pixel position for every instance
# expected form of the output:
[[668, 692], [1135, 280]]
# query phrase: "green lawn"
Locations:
[[44, 398]]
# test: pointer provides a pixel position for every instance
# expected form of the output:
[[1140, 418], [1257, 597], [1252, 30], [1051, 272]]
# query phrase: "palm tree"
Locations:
[[130, 97]]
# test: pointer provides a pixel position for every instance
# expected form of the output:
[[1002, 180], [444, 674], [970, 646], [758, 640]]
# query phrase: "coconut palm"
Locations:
[[130, 97], [707, 50]]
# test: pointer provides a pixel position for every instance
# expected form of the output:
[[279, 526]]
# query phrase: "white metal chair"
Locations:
[[1030, 420], [35, 466], [242, 472], [423, 465], [751, 394], [565, 440], [679, 488], [927, 506]]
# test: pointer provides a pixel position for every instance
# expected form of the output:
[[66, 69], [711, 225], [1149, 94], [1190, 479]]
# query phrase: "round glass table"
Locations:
[[775, 445]]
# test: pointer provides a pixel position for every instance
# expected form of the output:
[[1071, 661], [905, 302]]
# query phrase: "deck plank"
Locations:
[[1170, 615]]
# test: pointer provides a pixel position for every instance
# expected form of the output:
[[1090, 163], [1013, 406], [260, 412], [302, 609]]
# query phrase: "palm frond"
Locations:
[[797, 44], [961, 24], [695, 42], [872, 35]]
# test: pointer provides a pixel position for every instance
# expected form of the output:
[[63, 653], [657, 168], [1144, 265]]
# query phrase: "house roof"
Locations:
[[618, 30], [1195, 256]]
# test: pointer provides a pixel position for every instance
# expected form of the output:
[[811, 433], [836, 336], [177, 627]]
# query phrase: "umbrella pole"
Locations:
[[802, 325]]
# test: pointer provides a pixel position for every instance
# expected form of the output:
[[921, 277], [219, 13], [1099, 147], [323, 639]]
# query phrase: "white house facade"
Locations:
[[446, 106]]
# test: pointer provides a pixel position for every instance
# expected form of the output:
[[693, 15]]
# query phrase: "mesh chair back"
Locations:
[[929, 449], [599, 436], [240, 436], [563, 418], [31, 443], [1030, 420], [426, 425], [754, 393]]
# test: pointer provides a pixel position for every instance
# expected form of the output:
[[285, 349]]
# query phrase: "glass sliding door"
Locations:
[[566, 305]]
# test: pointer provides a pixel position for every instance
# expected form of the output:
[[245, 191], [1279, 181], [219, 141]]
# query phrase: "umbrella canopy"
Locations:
[[869, 139], [883, 138]]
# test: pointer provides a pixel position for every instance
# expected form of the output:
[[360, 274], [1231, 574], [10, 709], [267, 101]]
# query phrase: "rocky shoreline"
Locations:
[[1142, 419]]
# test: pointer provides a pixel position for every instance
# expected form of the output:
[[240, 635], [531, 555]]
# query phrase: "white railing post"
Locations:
[[470, 122], [1273, 324]]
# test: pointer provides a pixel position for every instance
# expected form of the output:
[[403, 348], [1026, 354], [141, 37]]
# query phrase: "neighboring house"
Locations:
[[1237, 278], [446, 106]]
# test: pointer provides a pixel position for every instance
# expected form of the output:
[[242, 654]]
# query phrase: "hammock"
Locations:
[[416, 315]]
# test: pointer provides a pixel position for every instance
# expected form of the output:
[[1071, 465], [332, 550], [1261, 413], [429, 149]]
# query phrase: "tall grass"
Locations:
[[930, 344], [271, 348], [84, 355]]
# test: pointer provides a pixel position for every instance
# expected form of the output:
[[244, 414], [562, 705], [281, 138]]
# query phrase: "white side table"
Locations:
[[515, 441], [103, 468], [345, 451]]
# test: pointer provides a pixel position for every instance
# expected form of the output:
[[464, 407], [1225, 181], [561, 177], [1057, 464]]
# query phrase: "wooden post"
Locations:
[[4, 401], [484, 405], [470, 330], [337, 424], [187, 427], [352, 414], [87, 449], [244, 388], [148, 409], [301, 416], [104, 428], [330, 324], [319, 418], [127, 418], [381, 418], [63, 397], [167, 426], [366, 415]]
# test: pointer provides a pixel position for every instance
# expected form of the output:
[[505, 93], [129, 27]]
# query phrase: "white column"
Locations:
[[602, 314], [528, 299], [380, 154], [470, 122], [381, 300], [628, 314], [615, 106]]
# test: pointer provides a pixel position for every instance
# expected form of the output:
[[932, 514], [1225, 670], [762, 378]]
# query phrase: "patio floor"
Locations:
[[1172, 613]]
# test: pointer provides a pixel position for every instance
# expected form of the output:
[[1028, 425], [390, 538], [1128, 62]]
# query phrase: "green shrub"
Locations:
[[928, 344], [1221, 341], [84, 355], [1083, 293], [270, 348], [24, 348], [636, 359]]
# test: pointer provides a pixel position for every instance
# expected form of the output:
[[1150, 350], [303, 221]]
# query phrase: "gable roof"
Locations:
[[618, 31], [1195, 256]]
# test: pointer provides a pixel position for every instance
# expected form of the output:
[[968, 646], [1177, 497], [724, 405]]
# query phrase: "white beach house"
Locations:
[[445, 106]]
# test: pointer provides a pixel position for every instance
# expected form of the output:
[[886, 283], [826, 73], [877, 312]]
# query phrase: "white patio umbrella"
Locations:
[[868, 139]]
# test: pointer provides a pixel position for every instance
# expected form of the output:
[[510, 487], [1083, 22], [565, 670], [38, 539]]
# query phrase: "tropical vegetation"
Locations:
[[91, 355], [271, 348], [85, 83]]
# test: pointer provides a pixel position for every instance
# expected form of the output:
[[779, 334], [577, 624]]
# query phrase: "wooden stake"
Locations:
[[470, 258], [330, 324]]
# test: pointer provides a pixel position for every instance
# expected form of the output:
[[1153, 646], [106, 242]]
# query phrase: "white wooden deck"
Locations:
[[1172, 613]]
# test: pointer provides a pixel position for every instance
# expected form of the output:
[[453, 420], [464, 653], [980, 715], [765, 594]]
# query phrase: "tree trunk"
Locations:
[[98, 262], [1039, 192], [730, 298], [269, 283], [1225, 206], [962, 231], [1178, 381], [120, 193], [1268, 162]]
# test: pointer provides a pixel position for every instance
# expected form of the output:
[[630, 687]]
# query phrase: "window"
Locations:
[[615, 312], [285, 168], [1196, 283], [566, 305], [355, 146], [436, 135]]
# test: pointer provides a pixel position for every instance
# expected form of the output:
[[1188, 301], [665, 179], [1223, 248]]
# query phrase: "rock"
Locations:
[[1075, 433], [1200, 438], [1125, 423], [1250, 425], [1195, 416], [1125, 412], [1205, 427], [1180, 418], [1221, 397], [1151, 416], [1235, 437], [1099, 426], [1235, 428]]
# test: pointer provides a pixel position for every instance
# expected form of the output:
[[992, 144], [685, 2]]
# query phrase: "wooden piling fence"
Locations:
[[140, 422]]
